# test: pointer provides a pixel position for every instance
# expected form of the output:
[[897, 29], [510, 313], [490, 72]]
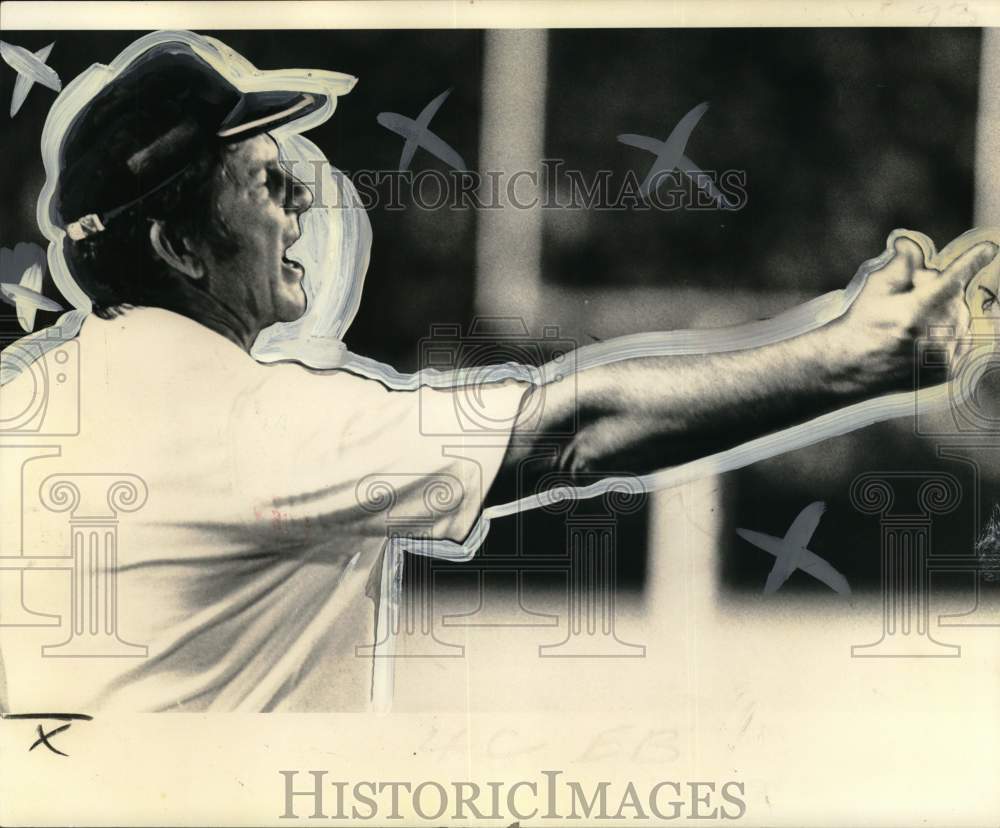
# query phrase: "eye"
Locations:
[[275, 181], [280, 185]]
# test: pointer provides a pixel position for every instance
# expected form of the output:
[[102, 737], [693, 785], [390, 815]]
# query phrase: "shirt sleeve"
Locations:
[[335, 451]]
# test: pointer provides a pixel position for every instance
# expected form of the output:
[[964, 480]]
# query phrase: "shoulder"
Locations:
[[290, 392], [154, 345]]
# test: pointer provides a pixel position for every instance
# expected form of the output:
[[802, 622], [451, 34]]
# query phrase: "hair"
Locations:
[[119, 265]]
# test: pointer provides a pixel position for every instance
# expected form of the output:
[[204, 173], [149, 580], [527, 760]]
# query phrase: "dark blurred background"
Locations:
[[843, 135]]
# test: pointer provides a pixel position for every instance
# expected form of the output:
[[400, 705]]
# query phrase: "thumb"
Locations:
[[897, 275]]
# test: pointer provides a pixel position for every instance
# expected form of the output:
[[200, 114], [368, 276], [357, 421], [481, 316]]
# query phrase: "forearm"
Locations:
[[646, 413]]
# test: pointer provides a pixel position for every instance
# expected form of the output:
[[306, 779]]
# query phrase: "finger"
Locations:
[[925, 276], [938, 308], [966, 266], [939, 292], [897, 275], [909, 250], [961, 341], [963, 328]]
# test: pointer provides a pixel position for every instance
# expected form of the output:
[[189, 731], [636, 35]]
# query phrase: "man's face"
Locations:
[[260, 202]]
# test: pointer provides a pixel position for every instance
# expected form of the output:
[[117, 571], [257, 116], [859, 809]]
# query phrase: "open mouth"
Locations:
[[292, 266]]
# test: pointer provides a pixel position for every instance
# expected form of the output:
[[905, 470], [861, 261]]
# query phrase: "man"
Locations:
[[251, 574]]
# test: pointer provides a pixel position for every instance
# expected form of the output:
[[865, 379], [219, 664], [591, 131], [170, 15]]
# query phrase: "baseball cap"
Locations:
[[143, 130]]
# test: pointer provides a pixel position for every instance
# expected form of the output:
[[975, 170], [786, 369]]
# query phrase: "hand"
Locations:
[[875, 340]]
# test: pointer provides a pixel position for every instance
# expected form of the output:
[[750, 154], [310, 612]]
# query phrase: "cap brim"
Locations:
[[259, 112]]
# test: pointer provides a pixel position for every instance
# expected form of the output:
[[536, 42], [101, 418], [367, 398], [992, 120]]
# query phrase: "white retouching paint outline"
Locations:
[[76, 94], [794, 322], [233, 66], [315, 340]]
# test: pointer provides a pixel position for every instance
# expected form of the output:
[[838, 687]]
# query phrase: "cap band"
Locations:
[[307, 100], [92, 223]]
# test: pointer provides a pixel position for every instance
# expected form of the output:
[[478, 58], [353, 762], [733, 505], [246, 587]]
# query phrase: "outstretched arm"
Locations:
[[646, 413]]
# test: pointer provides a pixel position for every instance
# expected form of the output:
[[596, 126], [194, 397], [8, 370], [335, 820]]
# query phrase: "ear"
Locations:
[[179, 257]]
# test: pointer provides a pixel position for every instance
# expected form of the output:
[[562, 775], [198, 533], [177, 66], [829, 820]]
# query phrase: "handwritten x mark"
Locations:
[[43, 735], [670, 156], [790, 552], [43, 738], [31, 69], [417, 134]]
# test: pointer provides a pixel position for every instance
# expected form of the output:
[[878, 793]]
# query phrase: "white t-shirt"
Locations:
[[249, 520]]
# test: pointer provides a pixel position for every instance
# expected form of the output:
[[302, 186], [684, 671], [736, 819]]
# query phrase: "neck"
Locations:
[[225, 323], [209, 311]]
